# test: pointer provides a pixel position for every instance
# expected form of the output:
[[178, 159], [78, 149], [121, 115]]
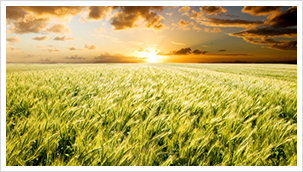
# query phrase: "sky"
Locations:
[[150, 34]]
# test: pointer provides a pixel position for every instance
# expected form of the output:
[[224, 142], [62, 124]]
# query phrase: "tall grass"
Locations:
[[151, 115]]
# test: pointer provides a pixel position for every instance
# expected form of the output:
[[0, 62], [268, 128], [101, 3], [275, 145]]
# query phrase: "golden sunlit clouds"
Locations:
[[13, 39], [63, 38], [41, 38], [150, 34]]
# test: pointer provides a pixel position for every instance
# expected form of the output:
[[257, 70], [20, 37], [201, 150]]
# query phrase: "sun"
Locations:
[[150, 55]]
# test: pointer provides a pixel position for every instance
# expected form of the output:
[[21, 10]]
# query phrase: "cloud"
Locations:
[[94, 13], [198, 51], [184, 9], [63, 38], [56, 11], [214, 30], [185, 51], [52, 50], [91, 47], [33, 19], [169, 14], [197, 28], [74, 48], [283, 19], [127, 16], [13, 39], [135, 43], [117, 58], [11, 47], [221, 50], [42, 38], [185, 23], [260, 10], [58, 28], [182, 51], [177, 43], [74, 57], [212, 10], [274, 44], [28, 26], [229, 23], [267, 32], [278, 24]]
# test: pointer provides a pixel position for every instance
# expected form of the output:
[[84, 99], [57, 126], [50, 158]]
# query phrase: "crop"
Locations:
[[151, 115]]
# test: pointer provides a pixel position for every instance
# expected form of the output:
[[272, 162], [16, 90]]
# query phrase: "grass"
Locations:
[[151, 115]]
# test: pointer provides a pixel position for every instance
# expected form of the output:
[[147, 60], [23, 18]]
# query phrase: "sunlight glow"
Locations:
[[150, 55]]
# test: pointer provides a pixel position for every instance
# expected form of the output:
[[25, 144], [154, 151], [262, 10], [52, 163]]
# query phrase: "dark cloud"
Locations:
[[267, 32], [185, 51], [63, 38], [41, 38], [13, 39], [74, 57], [212, 10], [126, 17], [117, 58], [230, 23], [283, 19], [274, 44], [197, 51], [221, 50], [260, 10], [182, 51]]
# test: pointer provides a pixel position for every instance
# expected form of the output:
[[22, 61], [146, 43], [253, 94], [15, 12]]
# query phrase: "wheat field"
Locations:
[[151, 115]]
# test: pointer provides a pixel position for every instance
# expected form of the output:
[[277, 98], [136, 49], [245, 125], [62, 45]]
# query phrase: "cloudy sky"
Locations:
[[170, 34]]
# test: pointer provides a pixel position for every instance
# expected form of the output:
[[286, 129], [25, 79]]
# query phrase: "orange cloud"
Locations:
[[13, 39], [33, 19], [127, 16], [212, 10], [214, 30], [58, 28], [184, 9], [91, 47], [63, 38], [42, 38]]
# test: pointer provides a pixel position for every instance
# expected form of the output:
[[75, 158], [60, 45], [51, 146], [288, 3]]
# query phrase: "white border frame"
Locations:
[[150, 3]]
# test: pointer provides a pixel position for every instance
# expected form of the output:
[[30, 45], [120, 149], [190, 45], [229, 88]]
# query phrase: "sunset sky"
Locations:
[[166, 34]]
